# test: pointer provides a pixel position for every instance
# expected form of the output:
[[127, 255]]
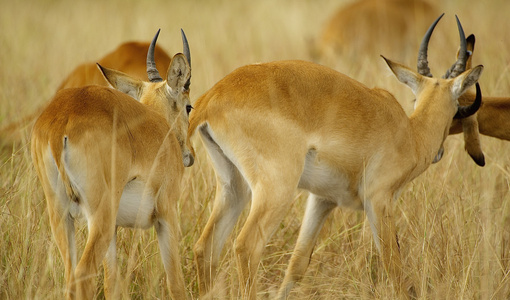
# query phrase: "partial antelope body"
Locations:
[[374, 26], [128, 58], [118, 162], [492, 119], [271, 128]]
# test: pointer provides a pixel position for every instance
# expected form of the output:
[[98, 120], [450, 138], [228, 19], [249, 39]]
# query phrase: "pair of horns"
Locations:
[[455, 70], [458, 67], [152, 71]]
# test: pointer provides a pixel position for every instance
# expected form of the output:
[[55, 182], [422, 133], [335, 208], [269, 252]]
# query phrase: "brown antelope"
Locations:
[[271, 128], [492, 119], [118, 162], [128, 58], [377, 26]]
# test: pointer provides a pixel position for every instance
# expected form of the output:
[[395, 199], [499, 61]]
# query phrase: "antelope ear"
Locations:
[[470, 43], [122, 82], [470, 47], [179, 72], [405, 75], [465, 80]]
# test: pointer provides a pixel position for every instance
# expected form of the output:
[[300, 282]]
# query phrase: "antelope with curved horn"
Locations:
[[116, 161], [271, 128], [473, 146], [128, 58], [492, 119]]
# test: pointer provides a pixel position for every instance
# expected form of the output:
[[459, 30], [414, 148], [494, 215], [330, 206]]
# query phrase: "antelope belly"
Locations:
[[136, 208], [324, 181]]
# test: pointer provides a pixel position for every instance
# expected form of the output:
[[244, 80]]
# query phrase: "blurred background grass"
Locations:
[[454, 220]]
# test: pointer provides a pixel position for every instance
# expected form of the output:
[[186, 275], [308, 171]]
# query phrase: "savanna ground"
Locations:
[[453, 221]]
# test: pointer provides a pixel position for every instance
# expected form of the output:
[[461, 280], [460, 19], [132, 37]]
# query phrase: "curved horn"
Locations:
[[152, 71], [185, 47], [460, 65], [466, 111], [423, 64]]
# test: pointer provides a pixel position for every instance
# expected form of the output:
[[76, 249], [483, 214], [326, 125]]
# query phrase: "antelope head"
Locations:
[[455, 70], [169, 97]]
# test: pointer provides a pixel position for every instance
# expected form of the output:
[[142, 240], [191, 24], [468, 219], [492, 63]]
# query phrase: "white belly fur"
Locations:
[[328, 183], [135, 209]]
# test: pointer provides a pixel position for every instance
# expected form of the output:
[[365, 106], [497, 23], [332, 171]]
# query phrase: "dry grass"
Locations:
[[454, 220]]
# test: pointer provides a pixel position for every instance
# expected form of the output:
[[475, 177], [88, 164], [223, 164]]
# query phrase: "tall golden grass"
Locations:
[[453, 221]]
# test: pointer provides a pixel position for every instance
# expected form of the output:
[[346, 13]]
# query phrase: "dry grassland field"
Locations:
[[453, 221]]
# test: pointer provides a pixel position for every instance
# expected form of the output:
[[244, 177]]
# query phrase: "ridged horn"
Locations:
[[152, 71], [460, 65], [185, 47], [466, 111], [185, 50], [423, 64]]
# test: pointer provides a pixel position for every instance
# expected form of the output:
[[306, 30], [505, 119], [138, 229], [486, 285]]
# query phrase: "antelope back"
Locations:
[[128, 58]]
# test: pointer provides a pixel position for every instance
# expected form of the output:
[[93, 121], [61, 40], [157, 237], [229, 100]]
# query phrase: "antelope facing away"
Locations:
[[128, 58], [271, 128], [468, 124], [118, 162]]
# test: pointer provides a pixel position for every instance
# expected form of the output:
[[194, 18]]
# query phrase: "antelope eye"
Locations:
[[188, 109]]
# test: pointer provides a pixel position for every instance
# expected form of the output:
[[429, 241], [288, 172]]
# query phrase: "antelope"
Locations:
[[273, 127], [117, 161], [381, 25], [129, 58], [492, 119]]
